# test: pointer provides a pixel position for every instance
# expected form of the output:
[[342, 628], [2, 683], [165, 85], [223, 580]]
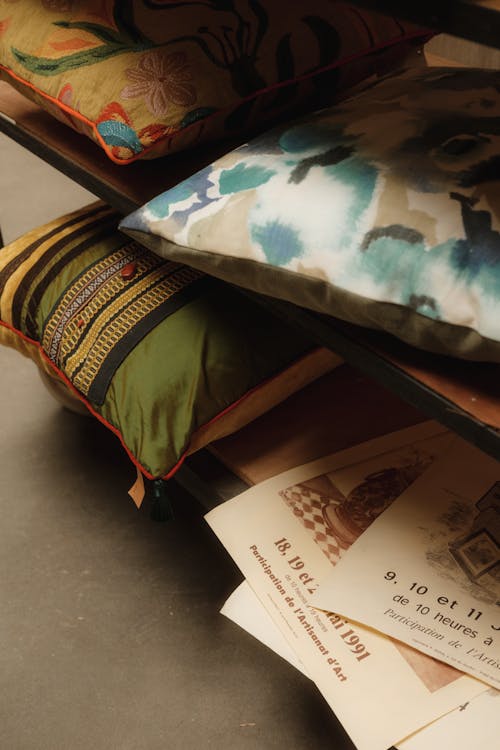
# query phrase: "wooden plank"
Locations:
[[464, 396], [339, 410], [448, 50]]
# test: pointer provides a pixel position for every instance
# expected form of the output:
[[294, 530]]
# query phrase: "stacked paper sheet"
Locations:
[[332, 549]]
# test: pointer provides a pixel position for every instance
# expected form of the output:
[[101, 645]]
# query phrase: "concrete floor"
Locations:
[[110, 632]]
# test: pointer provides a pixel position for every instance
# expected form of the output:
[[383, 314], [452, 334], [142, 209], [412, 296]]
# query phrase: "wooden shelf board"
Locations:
[[123, 187], [464, 396], [337, 411]]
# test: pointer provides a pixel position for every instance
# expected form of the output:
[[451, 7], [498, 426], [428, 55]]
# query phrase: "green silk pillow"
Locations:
[[155, 350], [383, 211], [144, 78]]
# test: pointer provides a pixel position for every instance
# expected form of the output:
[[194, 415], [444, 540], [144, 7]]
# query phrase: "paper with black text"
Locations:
[[430, 566], [360, 673], [473, 724]]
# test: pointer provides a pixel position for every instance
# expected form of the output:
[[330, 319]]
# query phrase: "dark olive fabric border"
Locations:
[[435, 336]]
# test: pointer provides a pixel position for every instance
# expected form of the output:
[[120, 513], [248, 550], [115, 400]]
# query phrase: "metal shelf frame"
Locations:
[[474, 20]]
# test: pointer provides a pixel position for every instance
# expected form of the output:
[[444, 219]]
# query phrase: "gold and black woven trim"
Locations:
[[105, 312], [44, 257]]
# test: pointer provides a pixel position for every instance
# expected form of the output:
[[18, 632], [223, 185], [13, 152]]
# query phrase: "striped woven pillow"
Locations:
[[160, 353]]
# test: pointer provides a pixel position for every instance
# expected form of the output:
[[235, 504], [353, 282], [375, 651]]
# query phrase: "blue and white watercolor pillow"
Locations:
[[383, 211]]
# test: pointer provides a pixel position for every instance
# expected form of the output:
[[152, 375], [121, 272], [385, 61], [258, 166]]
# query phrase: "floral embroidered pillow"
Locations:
[[144, 78], [383, 210]]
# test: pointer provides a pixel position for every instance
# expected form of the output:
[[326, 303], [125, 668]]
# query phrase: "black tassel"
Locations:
[[161, 507]]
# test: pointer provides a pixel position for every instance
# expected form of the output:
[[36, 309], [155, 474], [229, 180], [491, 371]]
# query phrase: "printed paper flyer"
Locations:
[[473, 724], [273, 533], [427, 571]]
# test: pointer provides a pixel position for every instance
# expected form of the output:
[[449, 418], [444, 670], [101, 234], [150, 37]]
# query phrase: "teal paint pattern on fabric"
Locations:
[[391, 196], [242, 177], [279, 242]]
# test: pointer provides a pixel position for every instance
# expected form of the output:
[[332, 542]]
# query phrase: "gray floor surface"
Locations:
[[110, 632]]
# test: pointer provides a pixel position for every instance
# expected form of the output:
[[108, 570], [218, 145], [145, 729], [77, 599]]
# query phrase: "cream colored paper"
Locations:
[[244, 608], [359, 672], [430, 566], [472, 725]]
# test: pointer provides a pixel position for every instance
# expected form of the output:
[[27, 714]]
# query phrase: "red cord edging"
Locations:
[[92, 125], [114, 429]]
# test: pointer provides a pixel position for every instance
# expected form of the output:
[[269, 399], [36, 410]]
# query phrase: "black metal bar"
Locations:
[[343, 339], [71, 169], [209, 494], [475, 20]]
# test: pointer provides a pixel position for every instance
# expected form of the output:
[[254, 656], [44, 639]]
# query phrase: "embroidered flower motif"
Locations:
[[118, 133], [161, 80]]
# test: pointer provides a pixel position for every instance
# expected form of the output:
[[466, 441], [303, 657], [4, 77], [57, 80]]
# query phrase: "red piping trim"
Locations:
[[421, 33], [77, 393], [114, 429]]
